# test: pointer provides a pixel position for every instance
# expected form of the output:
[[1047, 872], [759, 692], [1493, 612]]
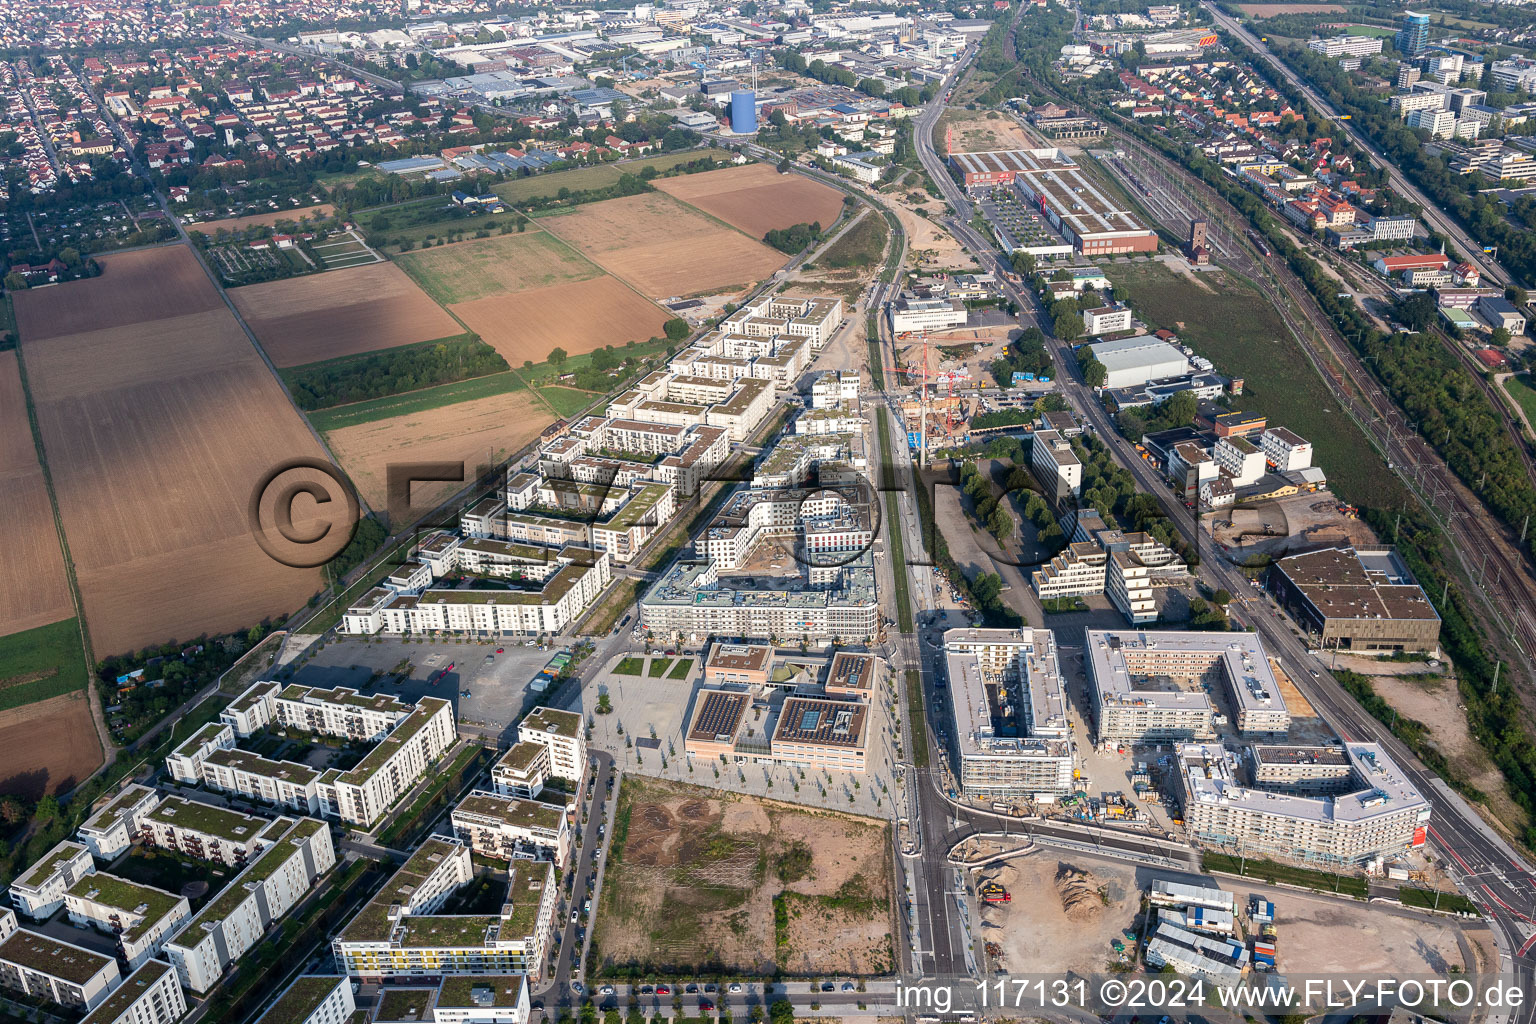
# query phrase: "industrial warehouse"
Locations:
[[1356, 600]]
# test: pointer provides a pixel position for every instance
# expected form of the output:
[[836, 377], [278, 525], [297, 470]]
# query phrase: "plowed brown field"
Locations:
[[50, 746], [578, 316], [663, 247], [157, 433], [133, 287], [475, 431], [33, 589], [756, 198], [320, 212], [341, 313]]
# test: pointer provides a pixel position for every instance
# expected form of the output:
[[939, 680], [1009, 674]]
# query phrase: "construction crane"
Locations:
[[924, 379]]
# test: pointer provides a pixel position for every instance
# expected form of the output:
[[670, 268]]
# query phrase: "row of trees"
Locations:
[[392, 371]]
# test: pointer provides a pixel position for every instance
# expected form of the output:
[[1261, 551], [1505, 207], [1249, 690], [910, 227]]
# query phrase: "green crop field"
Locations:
[[584, 179], [1369, 30], [414, 401], [567, 401], [36, 664], [1234, 326], [478, 269]]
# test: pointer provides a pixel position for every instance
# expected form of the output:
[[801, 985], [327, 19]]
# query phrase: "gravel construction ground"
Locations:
[[693, 877], [485, 267], [578, 316], [478, 432], [33, 588], [663, 247], [320, 212], [983, 132], [756, 198], [325, 316], [50, 746], [133, 287], [155, 457]]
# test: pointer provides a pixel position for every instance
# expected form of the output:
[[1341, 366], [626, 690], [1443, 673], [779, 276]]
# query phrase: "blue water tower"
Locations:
[[743, 112]]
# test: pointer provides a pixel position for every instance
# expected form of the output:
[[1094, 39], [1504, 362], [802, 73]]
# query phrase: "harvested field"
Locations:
[[756, 198], [694, 877], [155, 459], [474, 431], [320, 212], [664, 248], [578, 316], [324, 316], [1271, 10], [50, 746], [33, 588], [133, 287], [486, 267]]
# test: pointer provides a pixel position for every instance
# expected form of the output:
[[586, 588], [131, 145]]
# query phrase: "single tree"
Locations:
[[557, 357]]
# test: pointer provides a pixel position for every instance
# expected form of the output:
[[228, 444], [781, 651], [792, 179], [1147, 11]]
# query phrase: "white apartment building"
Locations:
[[150, 995], [1010, 709], [285, 784], [399, 933], [1106, 320], [39, 891], [44, 967], [141, 916], [111, 830], [387, 773], [339, 712], [1130, 671], [690, 601], [1405, 103], [209, 833], [834, 388], [1056, 465], [1098, 559], [522, 770], [561, 733], [510, 828], [235, 920], [1239, 458], [312, 999], [1382, 813], [253, 710], [185, 763], [490, 999], [1285, 450]]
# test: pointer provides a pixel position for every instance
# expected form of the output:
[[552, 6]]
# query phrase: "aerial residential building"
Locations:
[[1356, 600], [1381, 811], [1056, 465], [312, 999], [562, 733], [1010, 709], [399, 933], [1301, 769], [1110, 319], [142, 917], [691, 600], [522, 770], [39, 891], [236, 919], [1098, 559], [285, 784], [112, 829], [44, 967], [150, 995], [185, 763], [1131, 673], [207, 832], [365, 792], [483, 999], [508, 828]]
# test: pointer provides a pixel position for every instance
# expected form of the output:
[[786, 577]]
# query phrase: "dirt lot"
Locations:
[[49, 746], [133, 287], [664, 248], [325, 316], [1058, 917], [1301, 522], [211, 227], [928, 245], [981, 132], [155, 459], [694, 876], [474, 431], [578, 316], [1310, 928], [485, 267], [33, 589], [756, 198]]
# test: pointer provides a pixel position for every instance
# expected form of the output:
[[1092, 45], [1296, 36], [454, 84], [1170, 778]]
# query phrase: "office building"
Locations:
[[1111, 319], [1381, 812], [1010, 714], [1148, 685], [1346, 46], [908, 314], [1413, 38], [1356, 600], [1285, 450], [1056, 465]]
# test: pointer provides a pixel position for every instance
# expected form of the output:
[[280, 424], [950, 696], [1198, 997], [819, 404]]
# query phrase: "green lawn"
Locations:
[[861, 247], [1454, 902], [630, 667], [433, 217], [414, 401], [659, 667], [915, 710], [1234, 326], [36, 664], [483, 267], [1369, 30], [1345, 883], [567, 401], [584, 179], [1520, 390], [681, 669]]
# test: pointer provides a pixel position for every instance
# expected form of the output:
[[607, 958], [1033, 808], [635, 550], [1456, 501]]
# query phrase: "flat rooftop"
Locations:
[[125, 994], [561, 723], [207, 819], [512, 811], [113, 812], [822, 722], [1018, 712], [852, 671], [739, 657], [1341, 583], [38, 952], [1123, 662], [1210, 774], [302, 998], [717, 715]]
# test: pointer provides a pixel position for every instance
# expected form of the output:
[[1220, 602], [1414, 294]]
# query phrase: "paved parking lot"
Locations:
[[498, 684]]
